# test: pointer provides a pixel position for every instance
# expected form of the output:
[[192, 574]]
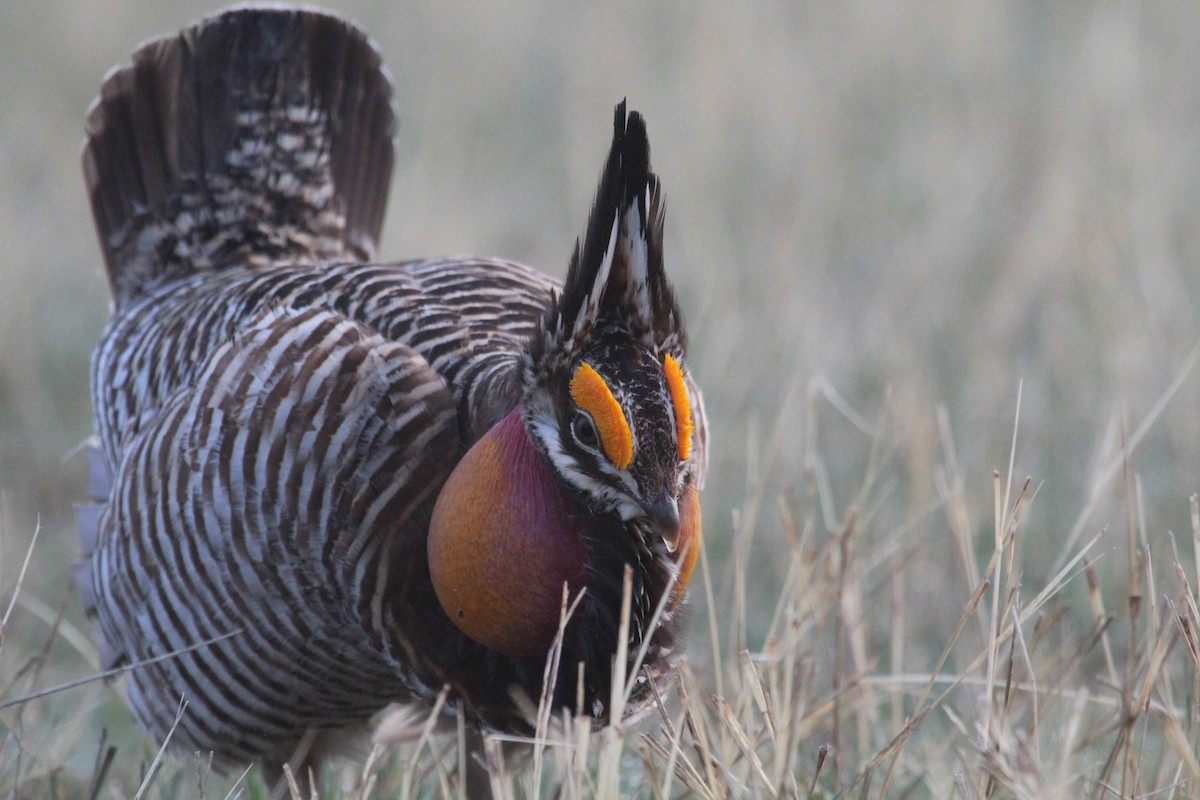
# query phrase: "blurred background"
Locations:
[[883, 218]]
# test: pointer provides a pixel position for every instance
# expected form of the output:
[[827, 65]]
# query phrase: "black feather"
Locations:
[[613, 194], [626, 183]]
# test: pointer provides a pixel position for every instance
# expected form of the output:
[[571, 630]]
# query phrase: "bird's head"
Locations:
[[607, 440]]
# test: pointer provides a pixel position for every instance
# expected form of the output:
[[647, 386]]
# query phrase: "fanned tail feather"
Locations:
[[256, 136]]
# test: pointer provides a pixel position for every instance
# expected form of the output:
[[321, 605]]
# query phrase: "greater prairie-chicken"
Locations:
[[376, 479]]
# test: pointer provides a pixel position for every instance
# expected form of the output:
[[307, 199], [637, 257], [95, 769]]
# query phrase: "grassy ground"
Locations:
[[940, 268]]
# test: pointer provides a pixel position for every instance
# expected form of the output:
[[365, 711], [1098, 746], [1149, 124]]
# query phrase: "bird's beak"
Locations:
[[663, 514]]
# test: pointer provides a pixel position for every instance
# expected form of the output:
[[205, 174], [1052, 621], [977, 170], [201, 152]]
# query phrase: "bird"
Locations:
[[323, 484]]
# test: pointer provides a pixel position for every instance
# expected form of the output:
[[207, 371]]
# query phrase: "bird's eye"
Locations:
[[585, 430]]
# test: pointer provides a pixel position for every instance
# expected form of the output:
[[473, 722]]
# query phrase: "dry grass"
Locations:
[[887, 223], [1074, 687]]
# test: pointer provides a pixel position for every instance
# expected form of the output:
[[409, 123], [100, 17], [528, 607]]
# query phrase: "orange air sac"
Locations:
[[502, 543]]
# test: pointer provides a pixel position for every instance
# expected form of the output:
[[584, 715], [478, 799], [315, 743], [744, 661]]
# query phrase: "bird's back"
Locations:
[[274, 416]]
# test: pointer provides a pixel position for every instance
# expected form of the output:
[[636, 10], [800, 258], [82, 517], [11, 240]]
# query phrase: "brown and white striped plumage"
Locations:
[[277, 420]]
